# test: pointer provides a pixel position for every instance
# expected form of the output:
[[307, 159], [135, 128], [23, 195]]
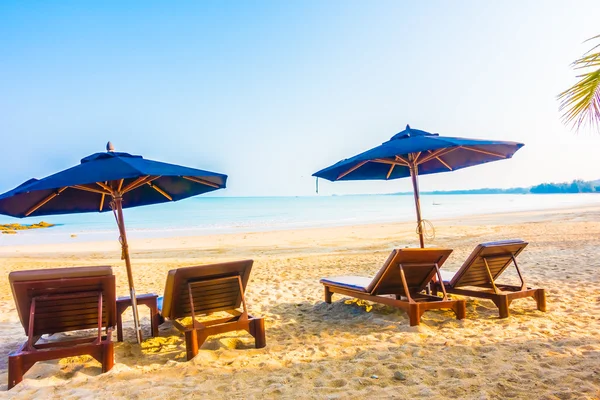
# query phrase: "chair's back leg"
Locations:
[[439, 276], [99, 317], [244, 315], [523, 285], [405, 285], [30, 328], [489, 273], [192, 308]]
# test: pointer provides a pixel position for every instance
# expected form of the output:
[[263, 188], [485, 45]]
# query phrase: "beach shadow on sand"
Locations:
[[350, 315]]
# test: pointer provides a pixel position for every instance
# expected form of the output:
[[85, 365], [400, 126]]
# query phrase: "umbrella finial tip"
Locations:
[[110, 147], [407, 127]]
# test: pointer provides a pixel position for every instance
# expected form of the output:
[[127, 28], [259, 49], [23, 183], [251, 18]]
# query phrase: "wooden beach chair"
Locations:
[[61, 300], [404, 275], [478, 275], [195, 291]]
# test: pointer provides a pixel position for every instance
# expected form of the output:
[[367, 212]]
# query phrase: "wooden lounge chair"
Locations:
[[481, 270], [206, 289], [63, 300], [405, 275]]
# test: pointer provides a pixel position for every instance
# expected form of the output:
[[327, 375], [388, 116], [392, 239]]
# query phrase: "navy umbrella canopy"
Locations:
[[88, 186], [414, 152], [109, 181]]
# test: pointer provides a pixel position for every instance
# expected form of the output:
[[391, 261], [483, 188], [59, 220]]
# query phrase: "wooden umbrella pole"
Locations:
[[118, 200], [414, 172]]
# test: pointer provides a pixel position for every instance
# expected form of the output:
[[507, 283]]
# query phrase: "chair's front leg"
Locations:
[[460, 309], [108, 355], [540, 298], [502, 303], [191, 343], [414, 314], [328, 295], [257, 329], [15, 370]]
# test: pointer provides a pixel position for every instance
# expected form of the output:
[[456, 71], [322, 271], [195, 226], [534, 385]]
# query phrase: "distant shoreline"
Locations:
[[574, 187], [476, 192]]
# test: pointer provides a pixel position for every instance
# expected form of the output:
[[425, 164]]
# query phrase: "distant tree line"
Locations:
[[577, 186]]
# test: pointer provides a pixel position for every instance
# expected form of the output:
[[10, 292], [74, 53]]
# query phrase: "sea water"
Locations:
[[214, 215]]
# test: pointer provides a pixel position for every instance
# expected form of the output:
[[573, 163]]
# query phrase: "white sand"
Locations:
[[316, 350]]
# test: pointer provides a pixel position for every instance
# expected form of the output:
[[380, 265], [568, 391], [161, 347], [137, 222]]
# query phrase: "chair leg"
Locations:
[[108, 356], [460, 309], [191, 344], [414, 314], [15, 370], [540, 298], [154, 321], [328, 295], [502, 303], [201, 337], [119, 325], [257, 329]]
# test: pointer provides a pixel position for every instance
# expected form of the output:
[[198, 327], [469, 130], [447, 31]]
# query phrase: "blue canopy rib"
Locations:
[[357, 166], [390, 171], [202, 181], [391, 162], [489, 153], [147, 181], [443, 163], [44, 201], [438, 153], [105, 187], [137, 183], [159, 190], [89, 189], [101, 202], [398, 158], [416, 158]]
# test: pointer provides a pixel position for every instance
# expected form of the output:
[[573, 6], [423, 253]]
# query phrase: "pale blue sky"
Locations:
[[270, 92]]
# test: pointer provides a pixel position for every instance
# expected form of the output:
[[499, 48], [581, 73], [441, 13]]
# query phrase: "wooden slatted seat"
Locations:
[[481, 270], [192, 292], [61, 300], [404, 275]]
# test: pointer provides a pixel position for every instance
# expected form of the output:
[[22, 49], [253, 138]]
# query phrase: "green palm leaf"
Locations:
[[581, 103]]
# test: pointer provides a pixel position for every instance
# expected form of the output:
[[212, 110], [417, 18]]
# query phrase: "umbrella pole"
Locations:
[[414, 172], [123, 239]]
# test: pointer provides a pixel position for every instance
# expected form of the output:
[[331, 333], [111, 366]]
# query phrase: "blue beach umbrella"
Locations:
[[109, 181], [413, 152]]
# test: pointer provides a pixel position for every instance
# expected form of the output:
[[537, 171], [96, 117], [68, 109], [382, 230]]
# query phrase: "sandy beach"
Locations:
[[317, 350]]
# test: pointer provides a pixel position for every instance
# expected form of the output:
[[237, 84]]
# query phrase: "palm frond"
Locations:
[[581, 102]]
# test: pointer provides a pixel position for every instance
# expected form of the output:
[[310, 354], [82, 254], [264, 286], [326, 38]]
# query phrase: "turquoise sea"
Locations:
[[213, 215]]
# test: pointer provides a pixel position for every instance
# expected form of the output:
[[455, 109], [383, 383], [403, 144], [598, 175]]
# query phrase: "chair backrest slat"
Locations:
[[66, 299], [498, 255], [418, 266], [213, 287]]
